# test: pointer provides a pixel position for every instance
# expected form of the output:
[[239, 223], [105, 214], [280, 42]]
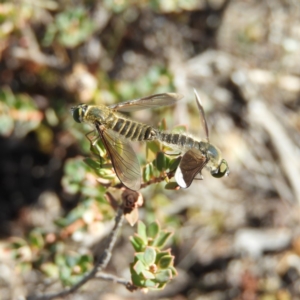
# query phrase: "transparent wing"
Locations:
[[202, 114], [153, 101], [190, 165], [123, 158]]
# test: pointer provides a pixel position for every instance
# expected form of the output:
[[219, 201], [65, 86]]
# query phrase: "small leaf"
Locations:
[[92, 163], [161, 254], [153, 230], [174, 163], [173, 270], [65, 273], [147, 173], [161, 286], [71, 261], [137, 279], [179, 129], [137, 243], [172, 186], [149, 256], [36, 240], [163, 276], [150, 284], [139, 256], [141, 231], [50, 269], [98, 148], [148, 275], [160, 161], [166, 261], [162, 238], [154, 146], [139, 267]]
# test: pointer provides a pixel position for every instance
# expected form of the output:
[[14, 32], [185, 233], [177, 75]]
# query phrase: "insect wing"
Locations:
[[202, 114], [123, 158], [190, 165], [153, 101]]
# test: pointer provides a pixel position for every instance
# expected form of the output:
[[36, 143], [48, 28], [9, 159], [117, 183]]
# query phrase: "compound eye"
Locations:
[[77, 112], [223, 170]]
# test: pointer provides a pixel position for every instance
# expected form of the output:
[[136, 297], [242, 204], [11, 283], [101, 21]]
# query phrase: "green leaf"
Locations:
[[92, 163], [141, 231], [166, 261], [149, 256], [84, 262], [137, 243], [161, 254], [161, 286], [71, 260], [174, 163], [50, 269], [139, 256], [171, 185], [36, 240], [64, 274], [173, 270], [150, 284], [147, 174], [148, 275], [163, 276], [139, 267], [162, 238], [137, 279], [160, 161], [6, 125], [98, 148], [153, 230], [179, 129], [153, 146]]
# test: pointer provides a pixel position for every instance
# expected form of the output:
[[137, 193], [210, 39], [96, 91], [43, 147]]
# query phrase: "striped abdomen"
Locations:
[[132, 130], [180, 141]]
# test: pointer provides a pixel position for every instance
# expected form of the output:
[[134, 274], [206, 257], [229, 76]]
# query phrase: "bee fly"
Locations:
[[115, 129], [199, 154]]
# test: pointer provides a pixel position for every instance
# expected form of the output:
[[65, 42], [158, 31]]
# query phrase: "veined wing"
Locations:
[[192, 162], [123, 158], [202, 114], [153, 101]]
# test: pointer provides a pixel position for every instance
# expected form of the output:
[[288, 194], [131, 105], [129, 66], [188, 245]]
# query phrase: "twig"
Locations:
[[157, 179], [109, 277], [100, 264]]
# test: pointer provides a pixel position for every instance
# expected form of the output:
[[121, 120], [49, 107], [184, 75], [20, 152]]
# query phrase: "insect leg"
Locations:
[[93, 140]]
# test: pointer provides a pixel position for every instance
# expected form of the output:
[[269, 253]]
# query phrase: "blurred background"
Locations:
[[235, 238]]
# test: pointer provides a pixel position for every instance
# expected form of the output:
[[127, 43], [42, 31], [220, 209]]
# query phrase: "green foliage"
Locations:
[[152, 267], [50, 49], [72, 267], [70, 28], [149, 83], [36, 250], [18, 114]]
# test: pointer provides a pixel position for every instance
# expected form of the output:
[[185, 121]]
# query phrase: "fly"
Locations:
[[115, 129], [197, 154]]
